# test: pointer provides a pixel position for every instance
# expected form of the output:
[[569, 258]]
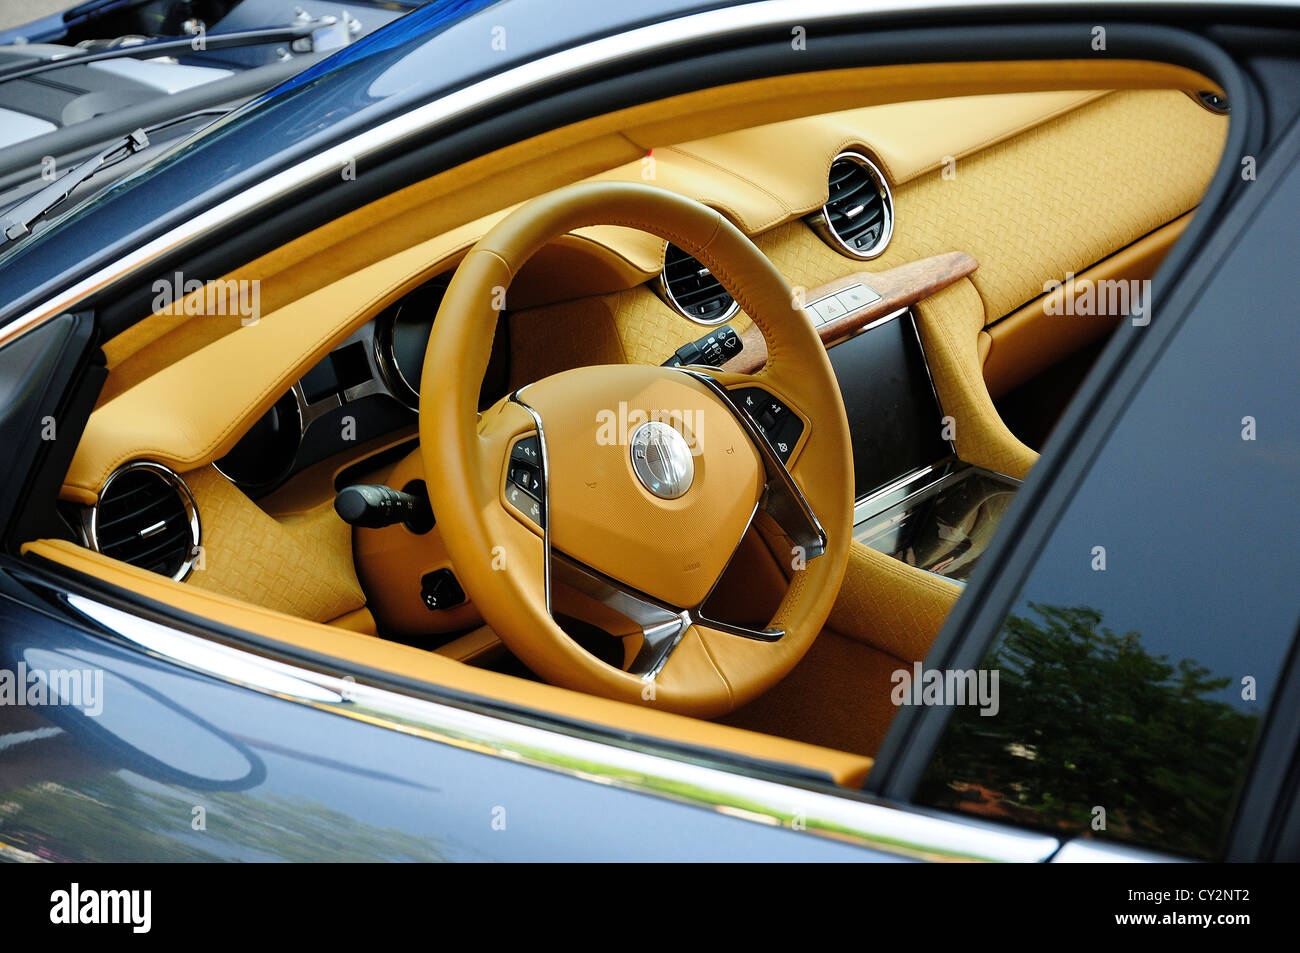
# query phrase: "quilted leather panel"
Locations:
[[891, 606], [301, 565], [557, 337], [1051, 200], [949, 325]]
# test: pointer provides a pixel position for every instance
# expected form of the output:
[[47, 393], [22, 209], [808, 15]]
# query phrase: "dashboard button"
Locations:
[[440, 590], [828, 309], [859, 296]]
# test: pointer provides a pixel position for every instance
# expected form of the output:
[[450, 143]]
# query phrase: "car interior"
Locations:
[[689, 421]]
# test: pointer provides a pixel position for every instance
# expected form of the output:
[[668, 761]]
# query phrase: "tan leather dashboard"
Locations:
[[1044, 183]]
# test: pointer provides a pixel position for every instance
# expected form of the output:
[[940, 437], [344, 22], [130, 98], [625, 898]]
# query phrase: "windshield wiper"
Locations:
[[211, 41], [18, 220]]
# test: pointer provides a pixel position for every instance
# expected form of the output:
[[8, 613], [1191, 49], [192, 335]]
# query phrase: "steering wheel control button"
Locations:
[[528, 478], [527, 450], [525, 488], [525, 504], [788, 431], [440, 590], [662, 460], [779, 423], [712, 350]]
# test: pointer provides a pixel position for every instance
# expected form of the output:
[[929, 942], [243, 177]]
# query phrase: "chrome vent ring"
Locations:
[[692, 290], [146, 516], [858, 217]]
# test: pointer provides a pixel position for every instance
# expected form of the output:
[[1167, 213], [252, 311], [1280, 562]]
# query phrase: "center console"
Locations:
[[916, 500]]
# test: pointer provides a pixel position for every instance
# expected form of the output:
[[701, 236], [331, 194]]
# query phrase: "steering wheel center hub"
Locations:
[[662, 459]]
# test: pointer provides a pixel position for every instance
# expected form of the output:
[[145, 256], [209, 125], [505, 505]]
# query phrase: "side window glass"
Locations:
[[1137, 663]]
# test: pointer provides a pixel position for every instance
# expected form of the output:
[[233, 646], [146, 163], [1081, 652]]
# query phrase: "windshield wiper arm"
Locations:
[[18, 220], [211, 41]]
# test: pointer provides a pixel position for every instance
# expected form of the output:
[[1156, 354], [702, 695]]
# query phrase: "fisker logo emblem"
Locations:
[[662, 460]]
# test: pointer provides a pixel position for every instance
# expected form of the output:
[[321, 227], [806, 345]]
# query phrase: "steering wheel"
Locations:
[[624, 490]]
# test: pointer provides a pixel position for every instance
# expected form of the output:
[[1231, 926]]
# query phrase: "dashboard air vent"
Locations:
[[692, 289], [146, 517], [858, 217]]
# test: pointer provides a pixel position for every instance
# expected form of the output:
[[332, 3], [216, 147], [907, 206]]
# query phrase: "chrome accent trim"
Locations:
[[820, 221], [382, 344], [752, 792], [875, 324], [697, 613], [309, 412], [915, 476], [925, 360], [386, 363], [1087, 850], [662, 626], [298, 404], [90, 524]]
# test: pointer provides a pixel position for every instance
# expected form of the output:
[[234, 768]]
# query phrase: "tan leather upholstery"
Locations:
[[765, 176], [448, 212], [950, 324], [1029, 340], [301, 564], [376, 254], [391, 562], [1051, 199], [890, 605]]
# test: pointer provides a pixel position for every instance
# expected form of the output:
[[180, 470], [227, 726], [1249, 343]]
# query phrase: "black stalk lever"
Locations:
[[375, 506]]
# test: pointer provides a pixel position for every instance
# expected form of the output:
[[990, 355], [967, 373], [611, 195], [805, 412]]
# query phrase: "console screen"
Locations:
[[893, 414]]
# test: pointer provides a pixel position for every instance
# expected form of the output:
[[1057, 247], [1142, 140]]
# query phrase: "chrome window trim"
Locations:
[[892, 830], [647, 39], [1088, 850]]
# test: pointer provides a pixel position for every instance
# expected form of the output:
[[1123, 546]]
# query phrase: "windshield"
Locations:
[[282, 122]]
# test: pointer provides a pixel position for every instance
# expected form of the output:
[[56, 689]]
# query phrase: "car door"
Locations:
[[1141, 610]]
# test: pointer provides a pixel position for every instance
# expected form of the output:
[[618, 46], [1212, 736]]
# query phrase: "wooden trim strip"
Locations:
[[898, 288]]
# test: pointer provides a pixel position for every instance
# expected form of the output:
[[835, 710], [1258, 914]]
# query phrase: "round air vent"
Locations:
[[146, 517], [692, 289], [858, 217]]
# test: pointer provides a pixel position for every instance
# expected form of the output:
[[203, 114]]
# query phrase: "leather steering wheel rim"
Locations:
[[502, 559]]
